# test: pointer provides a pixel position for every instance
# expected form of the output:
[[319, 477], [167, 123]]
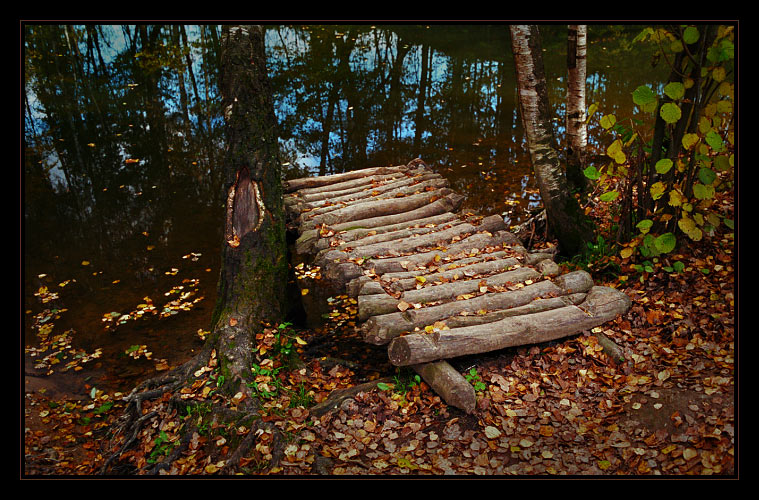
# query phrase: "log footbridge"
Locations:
[[431, 282]]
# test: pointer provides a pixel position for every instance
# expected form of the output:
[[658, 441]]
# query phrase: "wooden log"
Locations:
[[355, 286], [449, 384], [409, 240], [535, 257], [374, 305], [547, 267], [342, 272], [537, 305], [574, 282], [447, 203], [383, 328], [405, 231], [347, 237], [408, 183], [601, 304], [381, 244], [370, 204], [311, 239], [610, 347], [474, 243], [380, 180], [312, 184], [458, 272], [296, 203], [375, 208]]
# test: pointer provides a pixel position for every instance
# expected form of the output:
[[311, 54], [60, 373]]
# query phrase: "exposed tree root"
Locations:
[[133, 419]]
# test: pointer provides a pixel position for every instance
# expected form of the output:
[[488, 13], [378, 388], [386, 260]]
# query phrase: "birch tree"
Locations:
[[563, 213], [577, 131]]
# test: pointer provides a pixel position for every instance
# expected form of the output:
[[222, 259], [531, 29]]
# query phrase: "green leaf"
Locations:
[[670, 112], [727, 48], [591, 173], [688, 226], [678, 266], [648, 249], [713, 219], [690, 35], [591, 110], [689, 140], [674, 90], [706, 175], [382, 386], [724, 106], [665, 243], [615, 152], [104, 407], [645, 225], [645, 98], [608, 121], [714, 140], [662, 166], [675, 198], [657, 190], [729, 223], [703, 192], [644, 34], [609, 196]]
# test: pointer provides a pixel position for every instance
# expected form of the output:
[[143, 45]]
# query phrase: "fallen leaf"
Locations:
[[491, 432]]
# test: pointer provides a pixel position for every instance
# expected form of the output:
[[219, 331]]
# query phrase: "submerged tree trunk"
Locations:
[[577, 130], [565, 218]]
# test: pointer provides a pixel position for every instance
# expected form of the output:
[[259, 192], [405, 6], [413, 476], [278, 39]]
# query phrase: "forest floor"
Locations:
[[561, 408]]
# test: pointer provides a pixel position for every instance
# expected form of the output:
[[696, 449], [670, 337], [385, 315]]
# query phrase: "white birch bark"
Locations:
[[564, 216], [577, 132]]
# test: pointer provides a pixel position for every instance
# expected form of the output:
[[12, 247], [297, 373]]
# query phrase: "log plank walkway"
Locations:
[[433, 283]]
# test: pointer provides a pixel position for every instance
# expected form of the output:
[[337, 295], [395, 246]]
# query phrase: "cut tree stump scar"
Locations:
[[245, 208]]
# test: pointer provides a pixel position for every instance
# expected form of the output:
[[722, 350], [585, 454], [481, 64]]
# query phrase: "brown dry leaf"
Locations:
[[403, 305]]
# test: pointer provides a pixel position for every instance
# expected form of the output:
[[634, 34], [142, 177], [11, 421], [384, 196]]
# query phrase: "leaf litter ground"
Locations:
[[561, 408]]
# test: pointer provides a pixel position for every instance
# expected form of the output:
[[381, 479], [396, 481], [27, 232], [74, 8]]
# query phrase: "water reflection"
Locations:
[[123, 143]]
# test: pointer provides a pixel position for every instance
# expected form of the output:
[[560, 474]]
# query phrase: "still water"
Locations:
[[123, 138]]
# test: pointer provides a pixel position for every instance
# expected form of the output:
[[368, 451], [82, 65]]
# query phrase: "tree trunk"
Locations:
[[253, 274], [565, 218], [254, 259], [577, 131]]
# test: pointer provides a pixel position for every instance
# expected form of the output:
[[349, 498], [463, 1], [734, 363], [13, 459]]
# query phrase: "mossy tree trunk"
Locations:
[[253, 275], [564, 215]]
